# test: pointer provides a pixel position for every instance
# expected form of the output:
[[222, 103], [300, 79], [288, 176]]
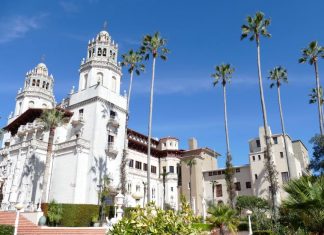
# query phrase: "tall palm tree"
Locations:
[[164, 174], [223, 216], [190, 163], [154, 46], [255, 28], [313, 97], [132, 60], [223, 74], [51, 119], [311, 54], [277, 76]]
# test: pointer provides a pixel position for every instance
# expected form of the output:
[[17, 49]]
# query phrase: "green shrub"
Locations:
[[81, 215], [202, 227], [243, 226], [54, 213], [6, 229], [263, 232]]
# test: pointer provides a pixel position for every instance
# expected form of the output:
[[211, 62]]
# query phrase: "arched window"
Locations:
[[85, 82], [99, 78], [31, 104], [47, 85], [44, 106], [114, 55], [104, 53], [19, 108], [44, 84], [37, 83], [34, 82], [93, 51], [89, 53], [99, 51], [113, 84]]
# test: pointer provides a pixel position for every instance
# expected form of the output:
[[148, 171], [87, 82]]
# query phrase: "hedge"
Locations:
[[203, 227], [80, 215], [6, 229], [263, 232]]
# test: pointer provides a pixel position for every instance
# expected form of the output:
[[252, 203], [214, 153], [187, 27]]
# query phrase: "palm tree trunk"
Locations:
[[124, 157], [229, 168], [283, 130], [320, 114], [46, 185], [163, 192], [149, 136], [265, 125], [190, 172]]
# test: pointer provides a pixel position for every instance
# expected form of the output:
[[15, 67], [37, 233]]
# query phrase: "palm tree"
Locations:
[[311, 54], [132, 60], [313, 97], [306, 201], [152, 46], [223, 74], [51, 119], [257, 27], [222, 216], [277, 76], [164, 174], [190, 163]]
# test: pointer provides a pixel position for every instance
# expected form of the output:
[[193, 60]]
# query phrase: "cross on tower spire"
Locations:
[[42, 58], [105, 25]]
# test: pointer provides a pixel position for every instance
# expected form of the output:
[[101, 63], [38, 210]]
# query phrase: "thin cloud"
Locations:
[[18, 26], [69, 7]]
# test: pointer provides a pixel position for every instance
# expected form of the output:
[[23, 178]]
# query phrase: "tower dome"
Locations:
[[37, 91]]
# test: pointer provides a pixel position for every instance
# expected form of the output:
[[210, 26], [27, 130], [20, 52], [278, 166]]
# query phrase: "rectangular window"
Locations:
[[145, 167], [214, 172], [223, 172], [248, 184], [112, 114], [253, 158], [110, 139], [219, 191], [281, 154], [153, 169], [80, 114], [171, 189], [129, 187], [138, 165], [259, 157], [164, 169], [256, 176], [258, 143], [131, 163], [284, 176], [237, 170], [237, 186], [210, 173], [171, 169], [275, 140]]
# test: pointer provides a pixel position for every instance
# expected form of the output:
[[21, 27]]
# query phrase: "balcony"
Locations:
[[111, 150]]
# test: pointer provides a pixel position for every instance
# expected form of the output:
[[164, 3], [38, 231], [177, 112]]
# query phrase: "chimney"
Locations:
[[192, 143]]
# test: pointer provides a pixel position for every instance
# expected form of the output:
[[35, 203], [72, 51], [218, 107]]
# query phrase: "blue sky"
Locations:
[[200, 35]]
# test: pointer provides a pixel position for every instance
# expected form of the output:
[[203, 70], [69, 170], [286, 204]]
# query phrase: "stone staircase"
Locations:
[[26, 227]]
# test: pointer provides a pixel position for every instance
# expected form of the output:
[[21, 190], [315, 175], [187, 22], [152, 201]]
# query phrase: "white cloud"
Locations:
[[69, 7], [18, 26]]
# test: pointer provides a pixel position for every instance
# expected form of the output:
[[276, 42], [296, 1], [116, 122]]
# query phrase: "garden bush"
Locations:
[[263, 232], [6, 229], [202, 227], [81, 215]]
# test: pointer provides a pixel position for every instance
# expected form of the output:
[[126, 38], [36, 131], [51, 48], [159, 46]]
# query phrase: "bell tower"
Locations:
[[37, 91], [100, 68]]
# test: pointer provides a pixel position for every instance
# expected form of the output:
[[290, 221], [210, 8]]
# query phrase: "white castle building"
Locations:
[[91, 145]]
